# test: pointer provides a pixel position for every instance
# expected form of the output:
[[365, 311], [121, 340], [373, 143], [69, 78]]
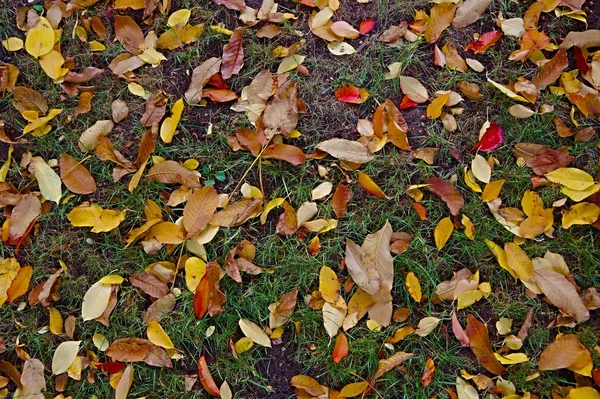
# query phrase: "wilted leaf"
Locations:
[[206, 378], [562, 294], [386, 365], [75, 176], [346, 150], [233, 54], [447, 193], [171, 172]]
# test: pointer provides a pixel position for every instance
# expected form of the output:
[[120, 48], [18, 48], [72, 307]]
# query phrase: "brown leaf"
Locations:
[[147, 145], [281, 114], [206, 378], [233, 54], [447, 193], [481, 346], [564, 352], [112, 303], [551, 69], [562, 294], [200, 208], [159, 309], [340, 200], [128, 32], [239, 259], [75, 176], [238, 5], [346, 150], [441, 16], [469, 12], [125, 382], [88, 74], [156, 108], [33, 379], [11, 372], [84, 104], [386, 365], [119, 110], [171, 172], [526, 325], [129, 349], [237, 213], [269, 31], [285, 152], [288, 222], [26, 99], [150, 284], [23, 214], [309, 384], [158, 357], [200, 75], [427, 377]]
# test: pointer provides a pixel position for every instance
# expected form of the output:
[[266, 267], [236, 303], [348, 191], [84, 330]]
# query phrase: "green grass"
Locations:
[[90, 256]]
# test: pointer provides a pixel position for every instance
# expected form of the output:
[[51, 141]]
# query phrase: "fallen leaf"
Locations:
[[481, 347], [233, 54], [64, 355], [340, 349], [255, 333]]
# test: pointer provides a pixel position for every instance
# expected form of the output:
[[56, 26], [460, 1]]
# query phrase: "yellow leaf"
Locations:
[[505, 90], [442, 232], [6, 165], [52, 64], [100, 342], [400, 334], [426, 326], [40, 39], [467, 298], [9, 269], [373, 325], [39, 123], [573, 178], [136, 89], [321, 191], [582, 213], [222, 30], [500, 257], [531, 200], [434, 109], [243, 344], [275, 202], [179, 17], [469, 227], [414, 287], [255, 333], [511, 358], [56, 321], [486, 288], [95, 301], [289, 63], [48, 180], [352, 390], [580, 195], [340, 48], [151, 56], [64, 355], [481, 169], [94, 216], [491, 190], [583, 393], [329, 285], [471, 181], [158, 336], [112, 279], [167, 129], [195, 269], [191, 164], [520, 263], [504, 325], [95, 45], [12, 44]]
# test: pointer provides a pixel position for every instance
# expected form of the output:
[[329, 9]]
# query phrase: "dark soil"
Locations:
[[278, 370]]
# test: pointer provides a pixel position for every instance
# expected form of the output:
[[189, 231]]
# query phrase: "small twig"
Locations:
[[244, 176]]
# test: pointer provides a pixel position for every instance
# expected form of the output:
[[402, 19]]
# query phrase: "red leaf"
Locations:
[[233, 54], [580, 60], [340, 350], [407, 103], [484, 42], [206, 378], [217, 81], [366, 26], [596, 375], [351, 94], [111, 367], [491, 139]]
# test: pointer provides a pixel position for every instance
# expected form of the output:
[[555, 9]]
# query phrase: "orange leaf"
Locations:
[[421, 210], [75, 176], [309, 384], [441, 17], [446, 192], [199, 209], [370, 186], [427, 377], [128, 32], [206, 378], [285, 152], [340, 199], [481, 346], [340, 350]]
